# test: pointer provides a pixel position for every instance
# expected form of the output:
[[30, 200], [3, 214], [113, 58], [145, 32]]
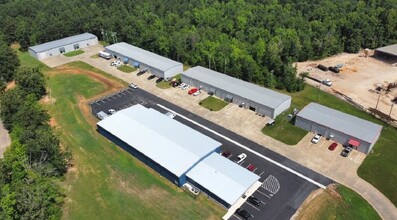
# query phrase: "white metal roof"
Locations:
[[61, 42], [143, 56], [391, 49], [345, 123], [222, 177], [173, 145], [238, 87]]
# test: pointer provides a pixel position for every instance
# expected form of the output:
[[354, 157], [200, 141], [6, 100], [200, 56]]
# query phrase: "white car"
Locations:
[[181, 85], [112, 111], [240, 158], [133, 85], [197, 93], [185, 87], [316, 139], [115, 63], [327, 82]]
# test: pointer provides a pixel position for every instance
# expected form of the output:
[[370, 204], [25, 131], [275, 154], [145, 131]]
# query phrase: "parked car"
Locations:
[[186, 86], [240, 158], [159, 79], [133, 85], [327, 82], [170, 114], [243, 214], [197, 93], [192, 91], [151, 77], [333, 146], [322, 67], [141, 72], [254, 201], [181, 85], [116, 62], [226, 154], [316, 139], [112, 111], [347, 151], [251, 167]]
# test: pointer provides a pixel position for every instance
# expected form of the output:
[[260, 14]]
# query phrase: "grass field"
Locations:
[[95, 56], [343, 203], [126, 69], [73, 53], [106, 182], [163, 84], [213, 104]]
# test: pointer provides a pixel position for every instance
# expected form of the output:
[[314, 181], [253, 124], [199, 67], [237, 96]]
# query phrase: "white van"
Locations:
[[104, 55]]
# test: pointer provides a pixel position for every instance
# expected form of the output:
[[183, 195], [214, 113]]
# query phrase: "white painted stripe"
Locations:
[[248, 149]]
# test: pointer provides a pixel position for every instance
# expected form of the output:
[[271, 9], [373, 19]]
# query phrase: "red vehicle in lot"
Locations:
[[192, 91], [332, 146], [251, 167]]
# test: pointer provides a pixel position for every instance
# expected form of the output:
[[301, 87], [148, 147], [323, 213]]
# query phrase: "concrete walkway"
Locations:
[[247, 123]]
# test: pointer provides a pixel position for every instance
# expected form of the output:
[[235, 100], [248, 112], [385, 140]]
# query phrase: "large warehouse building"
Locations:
[[340, 127], [167, 146], [390, 50], [143, 59], [221, 179], [259, 99], [61, 46], [177, 152]]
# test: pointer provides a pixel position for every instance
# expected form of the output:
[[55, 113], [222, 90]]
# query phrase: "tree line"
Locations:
[[33, 164], [255, 40]]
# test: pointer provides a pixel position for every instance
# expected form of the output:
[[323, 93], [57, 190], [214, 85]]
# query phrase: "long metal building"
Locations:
[[143, 59], [64, 45], [245, 94], [166, 145], [338, 126]]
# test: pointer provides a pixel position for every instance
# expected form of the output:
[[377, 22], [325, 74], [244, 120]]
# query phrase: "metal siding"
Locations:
[[173, 71]]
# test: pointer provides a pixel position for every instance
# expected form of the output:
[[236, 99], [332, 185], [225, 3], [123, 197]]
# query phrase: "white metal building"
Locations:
[[248, 95], [143, 59], [166, 145], [61, 46], [390, 50], [222, 179], [341, 127]]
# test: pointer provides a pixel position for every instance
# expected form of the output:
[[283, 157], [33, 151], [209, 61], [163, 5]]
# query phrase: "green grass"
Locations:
[[73, 53], [328, 205], [126, 69], [28, 61], [376, 166], [284, 130], [95, 56], [107, 182], [163, 85], [213, 104]]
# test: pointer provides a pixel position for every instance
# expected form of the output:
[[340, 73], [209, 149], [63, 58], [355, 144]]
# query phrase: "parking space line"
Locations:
[[113, 97], [261, 173], [253, 206], [248, 149], [263, 194]]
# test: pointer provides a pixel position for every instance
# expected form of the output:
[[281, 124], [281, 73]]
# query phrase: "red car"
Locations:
[[251, 167], [332, 146], [192, 91]]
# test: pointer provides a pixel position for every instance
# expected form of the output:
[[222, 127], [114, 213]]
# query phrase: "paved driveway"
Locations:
[[5, 139]]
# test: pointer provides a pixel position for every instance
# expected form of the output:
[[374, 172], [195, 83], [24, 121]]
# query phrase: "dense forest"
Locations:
[[33, 164], [255, 40]]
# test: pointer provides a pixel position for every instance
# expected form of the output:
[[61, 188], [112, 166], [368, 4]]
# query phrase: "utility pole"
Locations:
[[319, 89], [209, 62], [225, 66], [391, 109]]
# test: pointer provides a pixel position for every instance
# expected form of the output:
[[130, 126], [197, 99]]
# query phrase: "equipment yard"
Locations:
[[359, 78]]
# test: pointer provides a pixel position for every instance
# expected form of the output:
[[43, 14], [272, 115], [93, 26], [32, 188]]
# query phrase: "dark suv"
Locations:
[[243, 214], [254, 201]]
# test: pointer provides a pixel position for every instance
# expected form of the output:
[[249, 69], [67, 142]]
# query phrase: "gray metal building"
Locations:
[[340, 127], [64, 45], [143, 59], [245, 94], [390, 50]]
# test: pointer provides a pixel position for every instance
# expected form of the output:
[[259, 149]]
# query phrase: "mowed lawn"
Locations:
[[106, 182], [339, 204], [376, 167], [213, 104], [73, 53]]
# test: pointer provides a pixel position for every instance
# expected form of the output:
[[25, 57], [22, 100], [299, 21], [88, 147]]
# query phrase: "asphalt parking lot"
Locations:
[[281, 193]]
